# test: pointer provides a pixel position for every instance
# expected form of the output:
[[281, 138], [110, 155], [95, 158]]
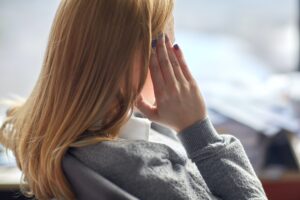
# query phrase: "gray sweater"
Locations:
[[216, 168]]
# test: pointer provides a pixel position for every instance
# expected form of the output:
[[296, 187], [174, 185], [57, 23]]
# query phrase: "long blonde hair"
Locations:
[[86, 84]]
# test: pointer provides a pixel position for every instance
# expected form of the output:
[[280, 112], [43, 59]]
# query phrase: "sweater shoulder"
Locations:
[[141, 167], [139, 153]]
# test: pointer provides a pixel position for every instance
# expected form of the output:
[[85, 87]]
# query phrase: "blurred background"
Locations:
[[244, 55]]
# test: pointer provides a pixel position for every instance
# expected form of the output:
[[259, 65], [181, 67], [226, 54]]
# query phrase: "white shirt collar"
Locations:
[[136, 128]]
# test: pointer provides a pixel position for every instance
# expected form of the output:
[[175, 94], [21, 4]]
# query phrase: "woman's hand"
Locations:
[[178, 101]]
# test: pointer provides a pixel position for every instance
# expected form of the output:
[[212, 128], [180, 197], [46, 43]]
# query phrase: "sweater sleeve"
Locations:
[[222, 161]]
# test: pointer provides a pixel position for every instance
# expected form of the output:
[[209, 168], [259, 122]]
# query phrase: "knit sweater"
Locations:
[[216, 166]]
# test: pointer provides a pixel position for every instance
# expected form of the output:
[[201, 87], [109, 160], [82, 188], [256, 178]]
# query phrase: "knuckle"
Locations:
[[174, 94], [164, 61], [177, 87], [175, 90], [193, 85], [185, 86], [179, 56], [174, 63]]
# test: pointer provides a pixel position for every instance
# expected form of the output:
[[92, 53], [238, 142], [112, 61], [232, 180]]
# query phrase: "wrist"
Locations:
[[187, 125], [199, 135]]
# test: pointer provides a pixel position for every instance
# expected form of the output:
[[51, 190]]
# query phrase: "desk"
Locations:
[[286, 187], [278, 184]]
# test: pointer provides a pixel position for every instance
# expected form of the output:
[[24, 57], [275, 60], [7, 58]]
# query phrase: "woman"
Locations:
[[95, 67]]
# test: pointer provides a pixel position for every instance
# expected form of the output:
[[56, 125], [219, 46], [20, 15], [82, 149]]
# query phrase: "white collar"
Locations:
[[136, 128]]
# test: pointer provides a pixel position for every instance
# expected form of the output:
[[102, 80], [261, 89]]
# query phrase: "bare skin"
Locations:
[[178, 100], [148, 90], [170, 95]]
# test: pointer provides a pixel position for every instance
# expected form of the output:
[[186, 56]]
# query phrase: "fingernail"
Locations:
[[167, 38], [176, 46], [154, 43], [161, 37]]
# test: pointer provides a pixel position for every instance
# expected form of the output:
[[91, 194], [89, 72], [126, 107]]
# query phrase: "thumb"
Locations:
[[146, 108]]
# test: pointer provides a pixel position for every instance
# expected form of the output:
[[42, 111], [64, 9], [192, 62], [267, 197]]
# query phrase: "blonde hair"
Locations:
[[86, 84]]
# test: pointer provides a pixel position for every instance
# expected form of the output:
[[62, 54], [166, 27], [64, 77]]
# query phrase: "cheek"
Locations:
[[148, 91]]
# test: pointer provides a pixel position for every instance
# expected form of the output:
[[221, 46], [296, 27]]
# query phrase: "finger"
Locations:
[[174, 62], [182, 62], [164, 62], [156, 75], [149, 110]]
